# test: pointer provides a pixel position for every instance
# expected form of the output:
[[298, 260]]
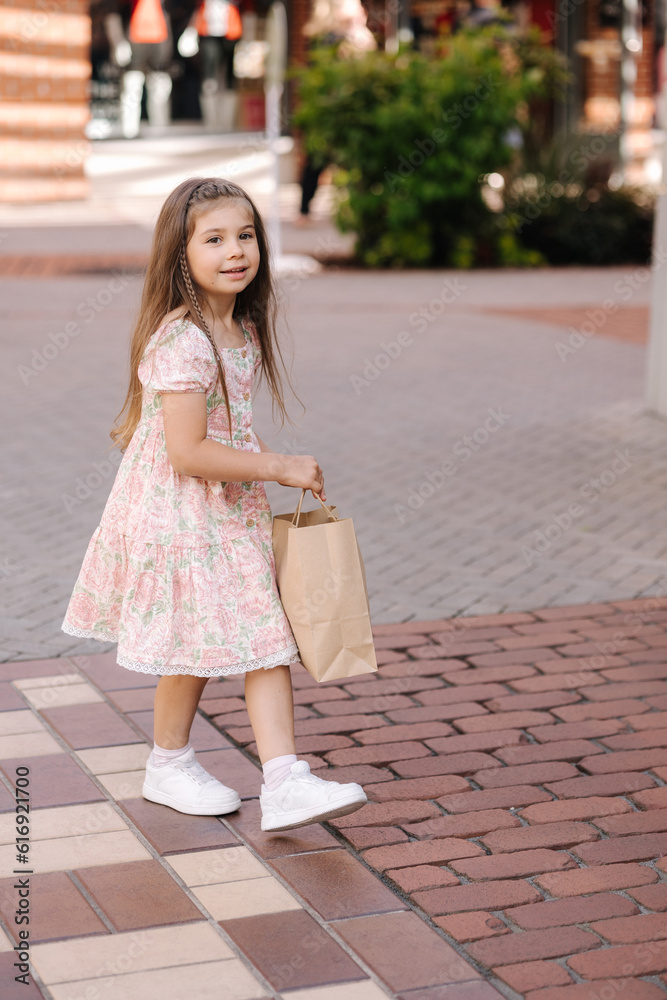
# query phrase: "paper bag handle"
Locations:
[[297, 512]]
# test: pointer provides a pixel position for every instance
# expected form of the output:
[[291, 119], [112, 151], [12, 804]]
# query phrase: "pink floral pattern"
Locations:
[[180, 571]]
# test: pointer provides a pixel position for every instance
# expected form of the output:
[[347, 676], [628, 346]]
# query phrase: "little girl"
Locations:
[[180, 571]]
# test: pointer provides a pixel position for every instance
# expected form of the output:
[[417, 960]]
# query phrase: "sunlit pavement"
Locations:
[[129, 179]]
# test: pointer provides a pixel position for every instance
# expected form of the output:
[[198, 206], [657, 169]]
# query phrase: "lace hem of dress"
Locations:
[[86, 633], [288, 655]]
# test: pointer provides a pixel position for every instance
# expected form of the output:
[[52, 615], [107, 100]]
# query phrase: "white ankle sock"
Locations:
[[160, 757], [277, 769]]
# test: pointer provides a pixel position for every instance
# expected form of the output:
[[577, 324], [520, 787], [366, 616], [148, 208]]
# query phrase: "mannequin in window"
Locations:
[[140, 39], [214, 30]]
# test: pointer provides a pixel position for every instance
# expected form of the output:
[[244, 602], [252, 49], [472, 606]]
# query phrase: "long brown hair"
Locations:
[[169, 285]]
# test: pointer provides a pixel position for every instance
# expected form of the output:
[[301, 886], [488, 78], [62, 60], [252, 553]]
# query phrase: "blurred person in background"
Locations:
[[341, 23], [483, 12]]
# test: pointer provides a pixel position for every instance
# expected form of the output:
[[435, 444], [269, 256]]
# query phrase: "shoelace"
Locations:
[[195, 771], [305, 774]]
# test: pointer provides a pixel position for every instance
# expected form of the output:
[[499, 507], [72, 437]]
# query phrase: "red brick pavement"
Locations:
[[514, 842], [516, 767], [51, 265], [630, 323]]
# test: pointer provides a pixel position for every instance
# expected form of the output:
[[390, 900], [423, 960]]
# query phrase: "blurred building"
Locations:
[[44, 94], [61, 83], [615, 51]]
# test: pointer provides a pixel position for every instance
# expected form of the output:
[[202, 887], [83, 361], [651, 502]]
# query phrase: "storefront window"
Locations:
[[192, 65]]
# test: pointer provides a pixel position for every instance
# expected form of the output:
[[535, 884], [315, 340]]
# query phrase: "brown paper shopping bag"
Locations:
[[322, 584]]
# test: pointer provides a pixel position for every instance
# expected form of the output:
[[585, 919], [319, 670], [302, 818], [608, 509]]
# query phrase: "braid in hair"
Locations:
[[194, 298]]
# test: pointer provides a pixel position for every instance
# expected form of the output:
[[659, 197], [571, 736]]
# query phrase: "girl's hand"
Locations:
[[302, 471]]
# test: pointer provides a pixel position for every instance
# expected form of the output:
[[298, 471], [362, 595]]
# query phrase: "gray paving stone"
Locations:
[[459, 552]]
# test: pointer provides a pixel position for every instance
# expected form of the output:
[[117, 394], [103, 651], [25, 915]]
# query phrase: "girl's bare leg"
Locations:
[[268, 696], [176, 700]]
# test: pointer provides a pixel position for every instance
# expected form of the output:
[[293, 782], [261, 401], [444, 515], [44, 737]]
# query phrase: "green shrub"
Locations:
[[412, 137], [567, 211]]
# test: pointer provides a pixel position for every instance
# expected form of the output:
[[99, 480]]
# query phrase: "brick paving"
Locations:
[[515, 766], [514, 843], [50, 265], [629, 323], [129, 899]]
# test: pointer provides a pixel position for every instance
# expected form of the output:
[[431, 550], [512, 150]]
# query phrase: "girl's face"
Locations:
[[222, 253]]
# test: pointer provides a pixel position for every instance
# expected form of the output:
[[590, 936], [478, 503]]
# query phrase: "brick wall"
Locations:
[[44, 85], [298, 12], [602, 83]]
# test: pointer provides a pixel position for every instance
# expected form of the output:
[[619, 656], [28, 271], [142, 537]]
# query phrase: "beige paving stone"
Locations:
[[65, 853], [247, 898], [205, 982], [56, 695], [107, 760], [229, 864], [51, 680], [65, 821], [131, 951], [28, 745], [123, 784], [5, 943], [21, 721], [364, 990]]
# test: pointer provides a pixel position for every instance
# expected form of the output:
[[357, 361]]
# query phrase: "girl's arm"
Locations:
[[263, 445], [192, 453], [265, 448]]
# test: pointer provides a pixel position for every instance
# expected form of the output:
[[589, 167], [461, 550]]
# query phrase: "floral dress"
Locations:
[[180, 571]]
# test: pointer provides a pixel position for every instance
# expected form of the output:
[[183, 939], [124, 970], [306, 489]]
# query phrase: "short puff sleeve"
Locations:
[[180, 359]]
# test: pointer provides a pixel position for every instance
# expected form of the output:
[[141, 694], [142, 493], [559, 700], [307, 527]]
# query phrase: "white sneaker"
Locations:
[[184, 785], [304, 798]]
